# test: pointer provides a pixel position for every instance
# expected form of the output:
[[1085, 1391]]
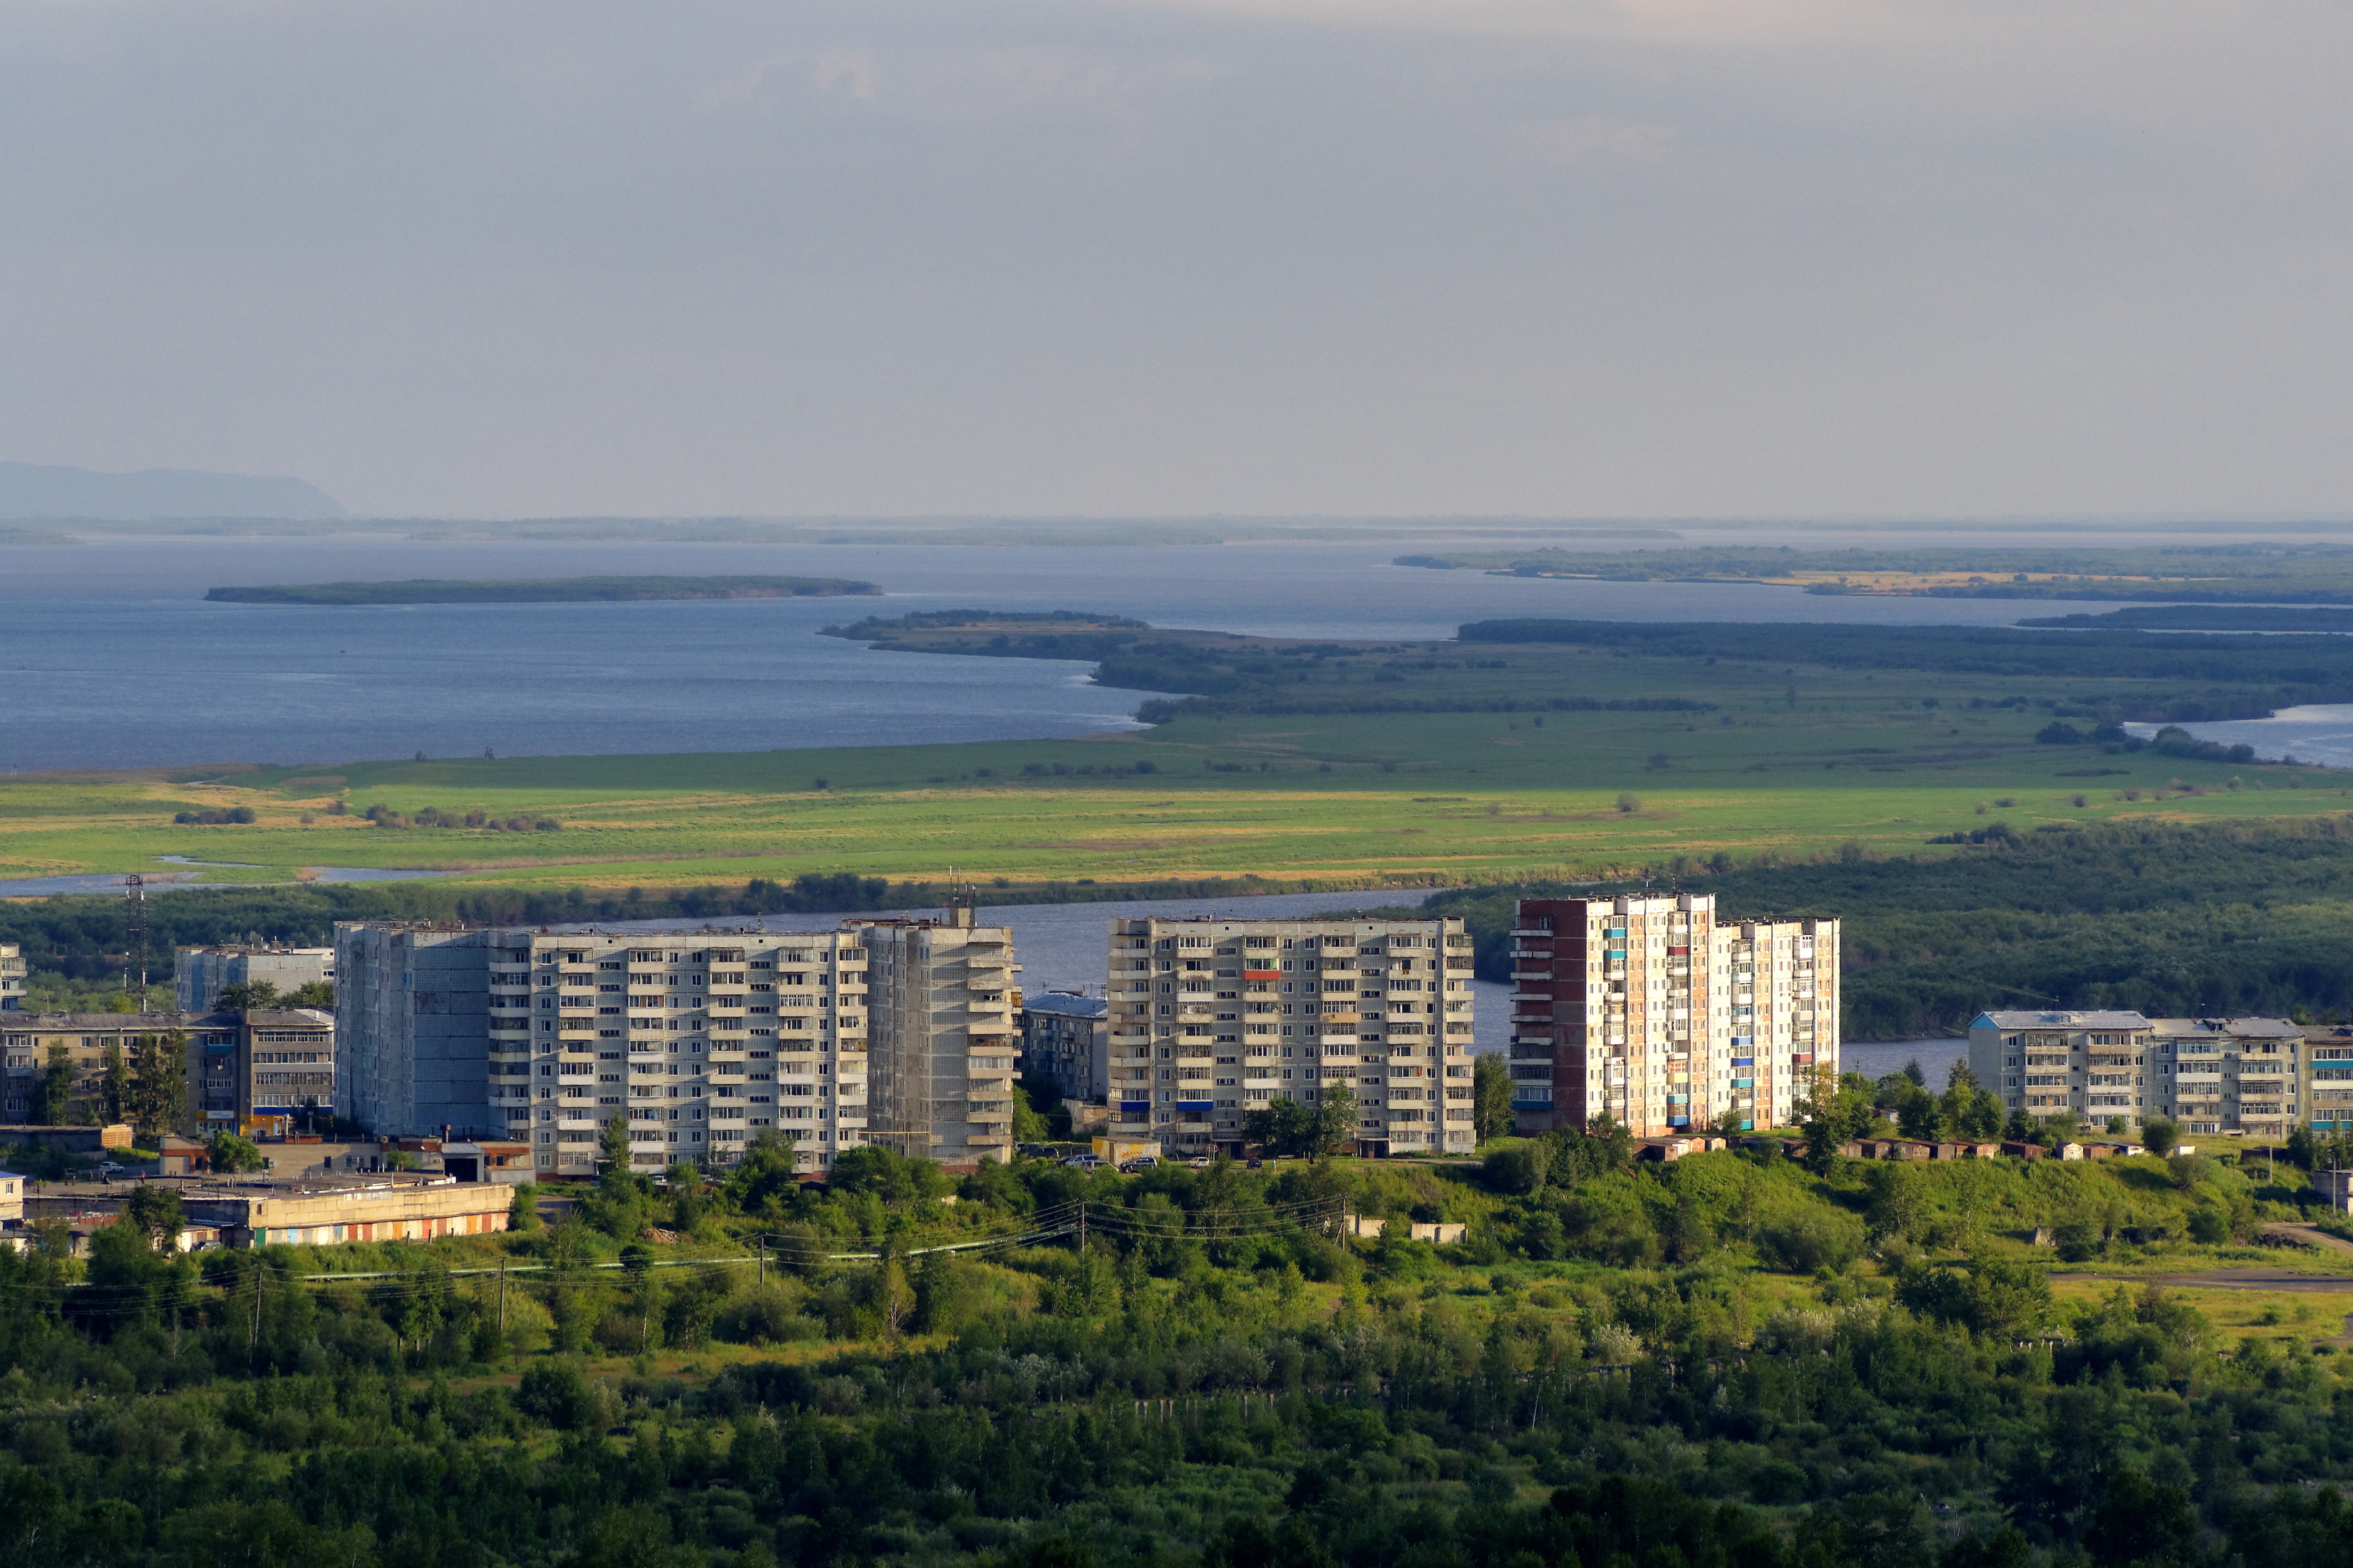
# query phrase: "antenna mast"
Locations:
[[134, 922]]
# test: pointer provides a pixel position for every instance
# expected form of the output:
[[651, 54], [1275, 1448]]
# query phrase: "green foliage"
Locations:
[[246, 995], [1490, 1098], [229, 1153]]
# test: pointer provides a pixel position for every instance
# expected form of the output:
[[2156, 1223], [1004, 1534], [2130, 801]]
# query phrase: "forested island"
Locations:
[[541, 590], [2245, 574]]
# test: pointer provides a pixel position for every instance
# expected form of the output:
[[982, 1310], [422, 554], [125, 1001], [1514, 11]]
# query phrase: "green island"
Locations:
[[1736, 1358], [541, 590], [2249, 572]]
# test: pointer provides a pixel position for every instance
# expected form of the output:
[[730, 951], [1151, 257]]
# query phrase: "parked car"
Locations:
[[1199, 1162], [1035, 1150], [1140, 1163], [1085, 1162]]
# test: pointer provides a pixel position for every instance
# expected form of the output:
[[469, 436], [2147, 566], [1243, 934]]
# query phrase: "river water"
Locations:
[[111, 658]]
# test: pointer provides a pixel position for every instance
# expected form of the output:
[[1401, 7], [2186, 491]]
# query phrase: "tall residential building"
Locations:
[[2214, 1076], [700, 1039], [941, 1033], [201, 974], [1211, 1019], [1066, 1037], [12, 977], [1650, 1011]]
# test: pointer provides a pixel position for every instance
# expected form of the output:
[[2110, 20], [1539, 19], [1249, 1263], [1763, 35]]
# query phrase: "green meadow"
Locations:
[[1761, 763]]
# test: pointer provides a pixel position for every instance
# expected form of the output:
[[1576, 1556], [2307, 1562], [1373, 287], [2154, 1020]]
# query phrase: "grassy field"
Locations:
[[1785, 764]]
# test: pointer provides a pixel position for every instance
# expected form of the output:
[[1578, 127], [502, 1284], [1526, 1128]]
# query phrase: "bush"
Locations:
[[1810, 1242], [560, 1394]]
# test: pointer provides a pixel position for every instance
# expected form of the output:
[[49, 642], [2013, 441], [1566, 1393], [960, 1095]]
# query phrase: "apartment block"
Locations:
[[201, 974], [2328, 1074], [1066, 1037], [700, 1039], [261, 1072], [2214, 1076], [251, 1072], [12, 977], [943, 1033], [1650, 1011], [1211, 1019]]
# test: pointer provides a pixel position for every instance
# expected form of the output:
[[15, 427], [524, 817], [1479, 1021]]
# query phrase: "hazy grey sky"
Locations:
[[1126, 257]]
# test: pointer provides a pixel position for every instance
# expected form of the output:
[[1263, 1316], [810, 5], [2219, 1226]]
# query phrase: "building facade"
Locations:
[[941, 1029], [2212, 1077], [2328, 1079], [254, 1073], [1211, 1019], [1649, 1011], [1066, 1037], [260, 1073], [12, 977], [702, 1040], [201, 974]]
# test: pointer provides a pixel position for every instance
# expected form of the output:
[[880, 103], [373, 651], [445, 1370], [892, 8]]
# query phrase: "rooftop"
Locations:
[[1066, 1003], [2060, 1020]]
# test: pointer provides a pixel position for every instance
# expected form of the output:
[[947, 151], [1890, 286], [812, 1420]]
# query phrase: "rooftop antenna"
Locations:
[[963, 903], [134, 922]]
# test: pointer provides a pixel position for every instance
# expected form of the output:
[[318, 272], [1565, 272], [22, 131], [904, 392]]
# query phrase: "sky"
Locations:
[[1156, 258]]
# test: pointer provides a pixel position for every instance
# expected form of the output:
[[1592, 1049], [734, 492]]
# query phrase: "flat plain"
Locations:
[[1762, 762]]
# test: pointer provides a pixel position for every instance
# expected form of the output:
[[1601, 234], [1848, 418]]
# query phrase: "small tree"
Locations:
[[159, 1082], [114, 1084], [231, 1153], [154, 1212], [1490, 1098], [53, 1091], [313, 993], [1336, 1121], [2159, 1137], [247, 997]]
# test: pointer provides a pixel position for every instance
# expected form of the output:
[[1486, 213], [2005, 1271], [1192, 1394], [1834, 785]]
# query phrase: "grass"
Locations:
[[1787, 765]]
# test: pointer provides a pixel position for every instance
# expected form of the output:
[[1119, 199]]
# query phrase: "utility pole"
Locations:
[[760, 1281], [1082, 1225], [503, 1298]]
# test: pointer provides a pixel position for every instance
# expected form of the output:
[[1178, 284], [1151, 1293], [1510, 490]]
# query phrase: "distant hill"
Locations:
[[541, 590], [37, 490]]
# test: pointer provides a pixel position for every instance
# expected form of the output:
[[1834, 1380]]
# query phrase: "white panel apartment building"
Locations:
[[702, 1039], [2244, 1077], [200, 974], [1211, 1019], [1648, 1010]]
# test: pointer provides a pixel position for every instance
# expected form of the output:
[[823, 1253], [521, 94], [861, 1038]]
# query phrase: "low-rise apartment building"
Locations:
[[2213, 1077], [251, 1072], [1066, 1038], [702, 1040], [1651, 1011], [1211, 1019], [201, 974]]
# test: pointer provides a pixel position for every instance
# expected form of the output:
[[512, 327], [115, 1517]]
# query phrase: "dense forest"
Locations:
[[2170, 919], [1728, 1360]]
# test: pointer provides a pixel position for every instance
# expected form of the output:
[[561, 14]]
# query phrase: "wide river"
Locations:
[[109, 656]]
